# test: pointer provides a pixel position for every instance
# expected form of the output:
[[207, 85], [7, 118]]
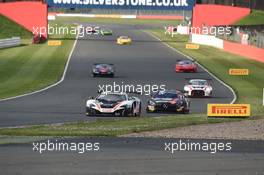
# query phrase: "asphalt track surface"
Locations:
[[146, 62], [133, 156]]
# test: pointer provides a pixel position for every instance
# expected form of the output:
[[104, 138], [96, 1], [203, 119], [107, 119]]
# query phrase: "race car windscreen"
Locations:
[[198, 82], [162, 94], [111, 98]]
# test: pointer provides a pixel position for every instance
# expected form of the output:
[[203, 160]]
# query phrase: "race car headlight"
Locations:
[[152, 103], [208, 88], [187, 88], [124, 106]]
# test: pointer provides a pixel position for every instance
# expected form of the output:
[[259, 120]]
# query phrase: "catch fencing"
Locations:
[[247, 35]]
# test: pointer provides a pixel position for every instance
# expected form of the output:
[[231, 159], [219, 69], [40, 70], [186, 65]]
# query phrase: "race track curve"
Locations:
[[146, 62]]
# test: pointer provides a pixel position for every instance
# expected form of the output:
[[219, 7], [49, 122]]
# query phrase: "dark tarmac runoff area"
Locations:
[[137, 156], [146, 61]]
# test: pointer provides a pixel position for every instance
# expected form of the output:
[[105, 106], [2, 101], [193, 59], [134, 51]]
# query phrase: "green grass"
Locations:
[[9, 29], [248, 88], [113, 127], [118, 21], [31, 67], [255, 18], [19, 139]]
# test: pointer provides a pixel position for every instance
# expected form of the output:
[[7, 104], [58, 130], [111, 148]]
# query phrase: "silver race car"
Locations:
[[198, 88], [116, 104]]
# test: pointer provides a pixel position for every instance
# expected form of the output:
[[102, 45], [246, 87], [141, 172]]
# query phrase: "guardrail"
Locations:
[[10, 42]]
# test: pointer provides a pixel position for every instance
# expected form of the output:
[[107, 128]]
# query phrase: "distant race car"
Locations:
[[106, 32], [168, 100], [116, 104], [102, 69], [186, 66], [124, 40], [93, 30], [198, 88]]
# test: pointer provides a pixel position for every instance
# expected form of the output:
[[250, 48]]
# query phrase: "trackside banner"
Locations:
[[125, 4]]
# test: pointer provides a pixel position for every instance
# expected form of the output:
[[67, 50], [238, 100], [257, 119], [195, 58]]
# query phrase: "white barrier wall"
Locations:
[[10, 42], [76, 15], [51, 17], [183, 30], [207, 40], [97, 15]]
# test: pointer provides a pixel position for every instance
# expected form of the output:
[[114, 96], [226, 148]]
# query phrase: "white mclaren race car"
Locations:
[[116, 104], [198, 88]]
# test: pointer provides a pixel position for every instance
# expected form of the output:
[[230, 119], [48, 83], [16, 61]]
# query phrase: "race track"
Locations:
[[146, 62], [133, 156]]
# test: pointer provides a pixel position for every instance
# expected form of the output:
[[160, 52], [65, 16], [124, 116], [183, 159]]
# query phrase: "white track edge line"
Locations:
[[222, 82], [52, 85]]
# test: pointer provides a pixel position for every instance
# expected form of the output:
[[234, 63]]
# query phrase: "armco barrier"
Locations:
[[248, 51], [10, 42], [28, 14], [245, 50]]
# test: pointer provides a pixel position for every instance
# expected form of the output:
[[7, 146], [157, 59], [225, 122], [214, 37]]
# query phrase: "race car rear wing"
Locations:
[[128, 92], [209, 79], [187, 59], [103, 63]]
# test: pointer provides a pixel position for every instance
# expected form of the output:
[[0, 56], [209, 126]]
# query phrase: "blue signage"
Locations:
[[125, 4]]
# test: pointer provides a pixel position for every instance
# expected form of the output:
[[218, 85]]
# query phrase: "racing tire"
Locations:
[[186, 110], [123, 113]]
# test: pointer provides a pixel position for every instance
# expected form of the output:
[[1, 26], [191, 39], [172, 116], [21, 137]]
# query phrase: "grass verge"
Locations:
[[254, 18], [113, 127], [30, 67]]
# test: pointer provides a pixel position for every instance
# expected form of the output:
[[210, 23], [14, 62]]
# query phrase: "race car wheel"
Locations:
[[134, 113], [186, 110], [123, 113], [90, 112]]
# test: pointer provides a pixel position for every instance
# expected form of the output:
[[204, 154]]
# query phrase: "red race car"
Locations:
[[186, 66]]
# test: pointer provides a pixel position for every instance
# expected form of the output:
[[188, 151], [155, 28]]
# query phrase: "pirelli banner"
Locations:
[[228, 110], [125, 4]]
